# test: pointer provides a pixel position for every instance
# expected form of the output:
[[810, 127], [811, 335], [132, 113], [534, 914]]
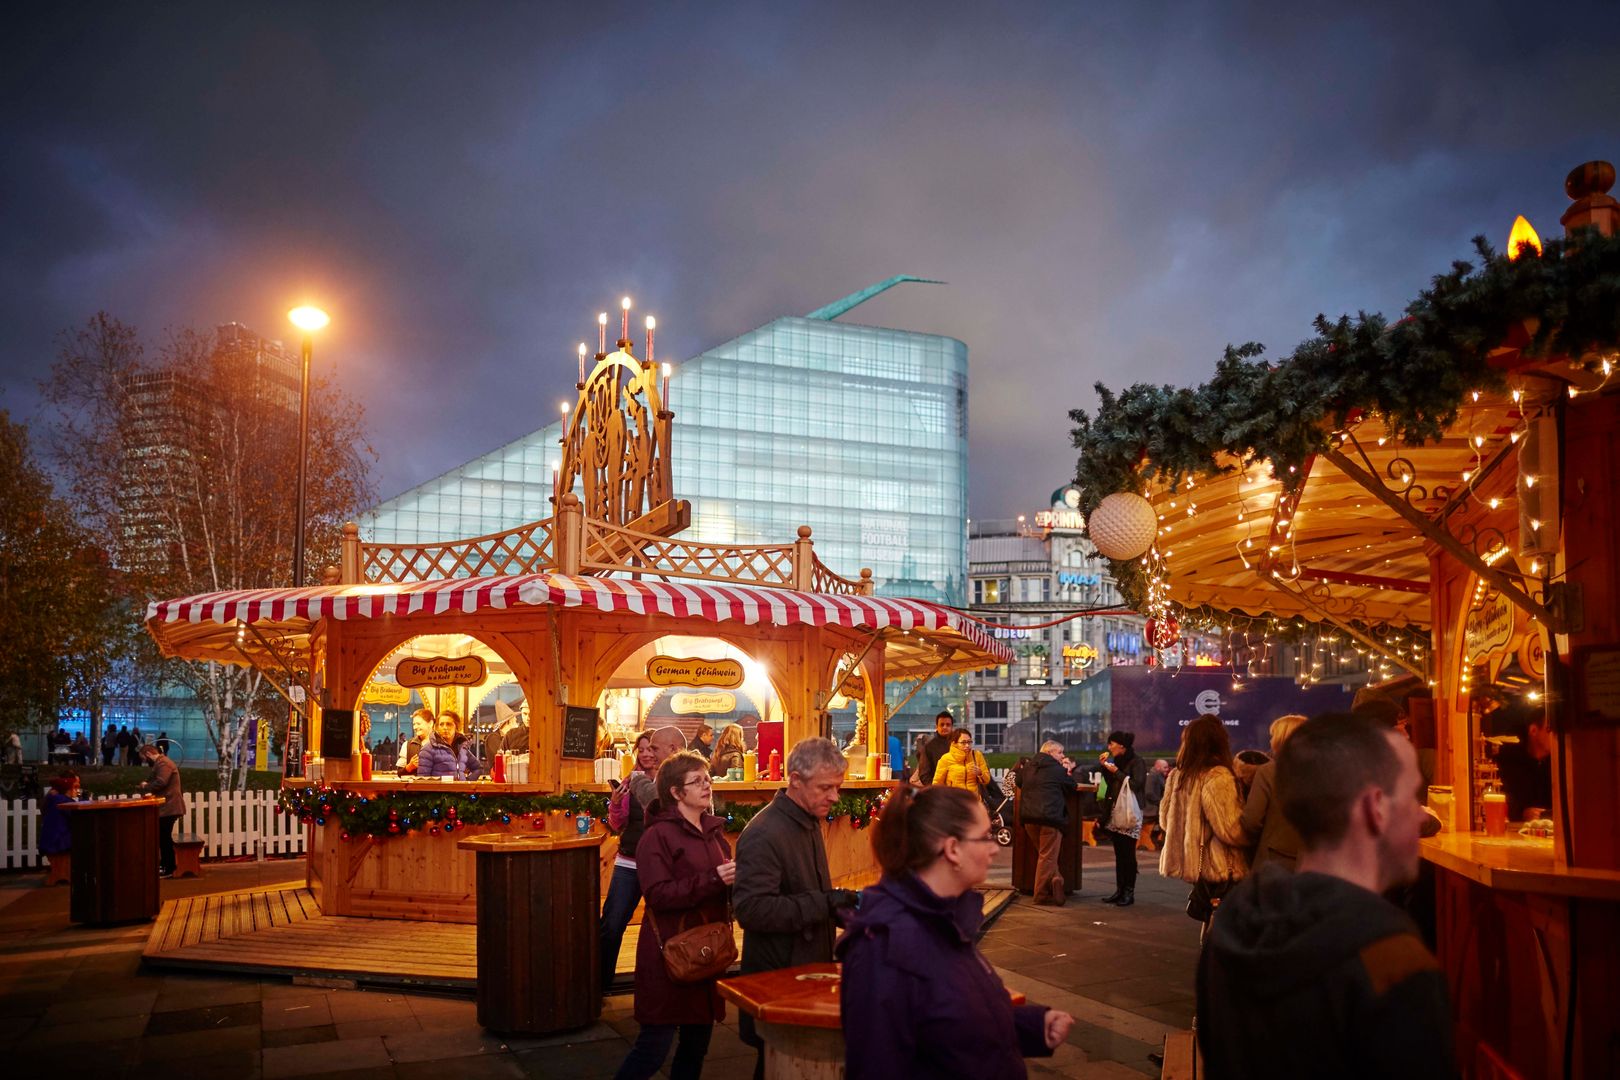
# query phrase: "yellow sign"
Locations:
[[1533, 655], [714, 701], [1079, 657], [689, 671], [261, 749], [440, 671], [383, 693]]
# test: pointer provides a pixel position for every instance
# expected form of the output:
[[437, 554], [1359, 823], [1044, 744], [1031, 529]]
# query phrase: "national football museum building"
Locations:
[[859, 432]]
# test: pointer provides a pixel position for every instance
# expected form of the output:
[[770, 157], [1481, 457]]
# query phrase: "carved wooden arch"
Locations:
[[371, 653], [617, 443], [626, 645]]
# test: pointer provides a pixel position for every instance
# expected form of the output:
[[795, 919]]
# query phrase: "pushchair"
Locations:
[[998, 799]]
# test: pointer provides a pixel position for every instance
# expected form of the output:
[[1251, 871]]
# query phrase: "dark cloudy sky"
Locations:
[[1113, 190]]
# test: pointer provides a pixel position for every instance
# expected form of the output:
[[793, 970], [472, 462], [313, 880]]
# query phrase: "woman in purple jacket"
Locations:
[[918, 998], [685, 867]]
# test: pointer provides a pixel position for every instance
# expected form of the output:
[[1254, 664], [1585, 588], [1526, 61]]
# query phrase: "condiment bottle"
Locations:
[[776, 764]]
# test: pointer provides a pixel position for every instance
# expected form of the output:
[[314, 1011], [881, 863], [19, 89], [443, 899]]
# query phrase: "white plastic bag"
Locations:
[[1126, 819]]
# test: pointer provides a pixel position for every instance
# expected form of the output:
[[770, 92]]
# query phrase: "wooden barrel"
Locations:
[[539, 904], [115, 860]]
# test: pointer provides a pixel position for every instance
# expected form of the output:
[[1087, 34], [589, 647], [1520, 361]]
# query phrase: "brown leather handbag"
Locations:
[[702, 952]]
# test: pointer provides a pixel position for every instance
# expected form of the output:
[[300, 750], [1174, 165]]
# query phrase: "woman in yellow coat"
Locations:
[[962, 766]]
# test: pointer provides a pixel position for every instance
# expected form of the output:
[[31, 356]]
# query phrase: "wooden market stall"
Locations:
[[1474, 555], [590, 614]]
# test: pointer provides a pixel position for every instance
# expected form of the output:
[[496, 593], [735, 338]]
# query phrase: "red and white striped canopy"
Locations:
[[174, 623]]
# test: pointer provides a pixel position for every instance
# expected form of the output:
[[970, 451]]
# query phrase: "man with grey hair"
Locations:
[[1043, 813], [783, 895]]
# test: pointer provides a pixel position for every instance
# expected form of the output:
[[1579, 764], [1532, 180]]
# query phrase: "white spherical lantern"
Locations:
[[1123, 526]]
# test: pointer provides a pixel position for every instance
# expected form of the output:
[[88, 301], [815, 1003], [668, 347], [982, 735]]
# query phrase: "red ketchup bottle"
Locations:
[[365, 764], [497, 771], [776, 764]]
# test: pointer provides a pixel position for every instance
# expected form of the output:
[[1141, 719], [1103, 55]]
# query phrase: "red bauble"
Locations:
[[1162, 633], [393, 827], [450, 812], [345, 837], [538, 822], [434, 829]]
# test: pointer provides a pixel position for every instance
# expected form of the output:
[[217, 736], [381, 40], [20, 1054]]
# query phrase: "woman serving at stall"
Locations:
[[448, 752]]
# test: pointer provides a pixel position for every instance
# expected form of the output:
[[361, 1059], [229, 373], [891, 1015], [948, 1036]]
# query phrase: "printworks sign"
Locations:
[[440, 671], [690, 671]]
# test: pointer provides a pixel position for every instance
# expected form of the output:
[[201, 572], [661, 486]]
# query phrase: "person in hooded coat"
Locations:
[[685, 868], [917, 997], [1313, 973]]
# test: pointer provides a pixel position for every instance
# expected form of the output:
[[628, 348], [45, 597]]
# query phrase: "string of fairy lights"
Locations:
[[1319, 647]]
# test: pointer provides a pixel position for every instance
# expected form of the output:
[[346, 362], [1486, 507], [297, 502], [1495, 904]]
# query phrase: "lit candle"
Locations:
[[666, 386], [624, 329], [652, 324], [601, 334], [582, 362]]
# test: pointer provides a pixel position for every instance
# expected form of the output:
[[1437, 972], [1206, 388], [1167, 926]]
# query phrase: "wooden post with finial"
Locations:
[[1593, 207]]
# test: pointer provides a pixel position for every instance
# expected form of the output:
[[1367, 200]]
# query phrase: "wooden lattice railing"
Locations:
[[523, 550], [571, 544], [615, 549]]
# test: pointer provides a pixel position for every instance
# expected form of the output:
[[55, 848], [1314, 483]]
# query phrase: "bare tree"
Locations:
[[191, 470]]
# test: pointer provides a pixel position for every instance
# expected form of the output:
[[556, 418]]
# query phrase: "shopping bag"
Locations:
[[1126, 818]]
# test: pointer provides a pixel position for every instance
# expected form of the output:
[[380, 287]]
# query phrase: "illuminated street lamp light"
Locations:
[[308, 319]]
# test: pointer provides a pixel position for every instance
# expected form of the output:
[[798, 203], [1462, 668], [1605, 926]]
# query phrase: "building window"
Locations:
[[985, 709], [987, 590], [989, 737]]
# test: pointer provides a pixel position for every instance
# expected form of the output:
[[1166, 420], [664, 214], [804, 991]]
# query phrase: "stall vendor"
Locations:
[[448, 753], [422, 731], [1526, 765]]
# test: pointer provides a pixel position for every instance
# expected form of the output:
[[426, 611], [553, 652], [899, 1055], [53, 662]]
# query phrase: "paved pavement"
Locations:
[[75, 1002]]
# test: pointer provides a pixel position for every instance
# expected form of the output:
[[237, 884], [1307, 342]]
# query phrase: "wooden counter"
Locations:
[[418, 876], [1518, 865]]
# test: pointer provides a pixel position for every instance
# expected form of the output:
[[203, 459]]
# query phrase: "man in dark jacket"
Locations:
[[1314, 973], [935, 748], [1044, 815], [784, 897], [164, 784]]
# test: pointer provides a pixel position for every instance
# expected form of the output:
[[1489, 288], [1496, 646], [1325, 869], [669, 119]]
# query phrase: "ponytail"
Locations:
[[913, 825]]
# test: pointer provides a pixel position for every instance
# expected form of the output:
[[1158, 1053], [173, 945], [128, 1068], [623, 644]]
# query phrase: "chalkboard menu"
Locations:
[[579, 733], [337, 733]]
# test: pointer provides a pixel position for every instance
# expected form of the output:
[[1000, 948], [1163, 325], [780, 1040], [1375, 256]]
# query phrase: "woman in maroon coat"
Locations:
[[686, 868]]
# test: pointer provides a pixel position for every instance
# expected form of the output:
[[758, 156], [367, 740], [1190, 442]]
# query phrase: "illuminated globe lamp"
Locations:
[[1123, 526]]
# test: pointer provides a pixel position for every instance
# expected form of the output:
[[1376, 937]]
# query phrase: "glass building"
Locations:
[[859, 432]]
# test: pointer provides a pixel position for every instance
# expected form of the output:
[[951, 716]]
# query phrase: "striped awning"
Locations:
[[211, 626]]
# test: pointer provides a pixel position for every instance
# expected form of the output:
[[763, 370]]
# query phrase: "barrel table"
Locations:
[[539, 899], [1023, 852], [115, 860], [797, 1012]]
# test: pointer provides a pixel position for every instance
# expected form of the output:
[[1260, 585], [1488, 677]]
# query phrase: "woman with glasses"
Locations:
[[686, 869], [918, 998]]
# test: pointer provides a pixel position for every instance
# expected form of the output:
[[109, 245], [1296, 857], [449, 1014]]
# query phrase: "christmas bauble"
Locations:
[[1162, 633], [1123, 526]]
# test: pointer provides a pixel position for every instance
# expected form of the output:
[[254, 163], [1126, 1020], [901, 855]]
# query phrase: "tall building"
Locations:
[[167, 411], [859, 432], [1030, 571]]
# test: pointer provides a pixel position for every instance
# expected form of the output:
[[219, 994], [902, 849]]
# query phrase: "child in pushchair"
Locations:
[[998, 800]]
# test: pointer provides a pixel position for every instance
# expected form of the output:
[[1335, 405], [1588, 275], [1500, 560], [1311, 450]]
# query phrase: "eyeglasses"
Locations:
[[987, 838], [702, 781]]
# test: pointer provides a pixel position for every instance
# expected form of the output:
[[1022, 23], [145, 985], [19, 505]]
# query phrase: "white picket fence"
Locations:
[[234, 823]]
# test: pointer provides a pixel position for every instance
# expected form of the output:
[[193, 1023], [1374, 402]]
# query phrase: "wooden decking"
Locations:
[[280, 931]]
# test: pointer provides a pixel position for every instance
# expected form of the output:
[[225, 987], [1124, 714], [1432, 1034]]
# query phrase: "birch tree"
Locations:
[[188, 460]]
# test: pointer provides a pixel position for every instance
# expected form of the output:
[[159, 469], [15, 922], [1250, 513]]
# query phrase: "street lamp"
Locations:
[[308, 319]]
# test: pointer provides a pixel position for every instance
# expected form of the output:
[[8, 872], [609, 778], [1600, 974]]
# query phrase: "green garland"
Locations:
[[396, 814], [1414, 374]]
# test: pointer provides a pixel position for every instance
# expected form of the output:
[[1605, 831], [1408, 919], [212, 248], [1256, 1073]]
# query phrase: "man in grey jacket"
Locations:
[[165, 785], [783, 895]]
